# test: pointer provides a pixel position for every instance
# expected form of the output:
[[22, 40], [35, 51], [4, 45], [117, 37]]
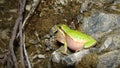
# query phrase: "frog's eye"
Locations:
[[60, 28]]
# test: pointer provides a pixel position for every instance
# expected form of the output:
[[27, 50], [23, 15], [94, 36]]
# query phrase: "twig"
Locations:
[[22, 48], [25, 53], [10, 58], [33, 7], [11, 53], [22, 6]]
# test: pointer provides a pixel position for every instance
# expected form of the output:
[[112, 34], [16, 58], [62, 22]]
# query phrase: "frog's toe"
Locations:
[[64, 52]]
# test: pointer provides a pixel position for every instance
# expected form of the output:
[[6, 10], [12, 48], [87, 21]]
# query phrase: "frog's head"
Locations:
[[63, 27], [60, 33]]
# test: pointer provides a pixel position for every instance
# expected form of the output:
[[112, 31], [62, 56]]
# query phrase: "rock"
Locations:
[[40, 56], [98, 24], [75, 57], [112, 41], [50, 43], [50, 39], [85, 5], [68, 60], [53, 30], [63, 2], [2, 1], [33, 41], [56, 56], [28, 7], [109, 60]]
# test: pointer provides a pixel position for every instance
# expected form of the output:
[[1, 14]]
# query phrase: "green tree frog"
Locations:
[[73, 39]]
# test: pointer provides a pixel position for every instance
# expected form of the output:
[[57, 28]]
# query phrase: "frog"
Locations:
[[73, 39]]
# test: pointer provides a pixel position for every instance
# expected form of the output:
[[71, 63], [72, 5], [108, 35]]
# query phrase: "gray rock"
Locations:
[[109, 60], [75, 57], [85, 6], [50, 43], [53, 30], [68, 60], [56, 56], [112, 41], [100, 23]]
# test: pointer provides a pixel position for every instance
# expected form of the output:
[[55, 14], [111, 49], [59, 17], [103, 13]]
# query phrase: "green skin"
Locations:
[[77, 36]]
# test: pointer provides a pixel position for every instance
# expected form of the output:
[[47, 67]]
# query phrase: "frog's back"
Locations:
[[76, 35], [79, 35]]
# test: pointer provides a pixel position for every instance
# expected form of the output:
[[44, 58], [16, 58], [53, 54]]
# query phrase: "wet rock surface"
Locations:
[[109, 60], [69, 59], [97, 18], [101, 23]]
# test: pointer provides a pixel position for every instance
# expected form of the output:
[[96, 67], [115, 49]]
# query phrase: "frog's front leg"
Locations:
[[64, 50]]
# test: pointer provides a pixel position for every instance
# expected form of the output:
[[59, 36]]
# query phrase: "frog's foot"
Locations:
[[64, 50]]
